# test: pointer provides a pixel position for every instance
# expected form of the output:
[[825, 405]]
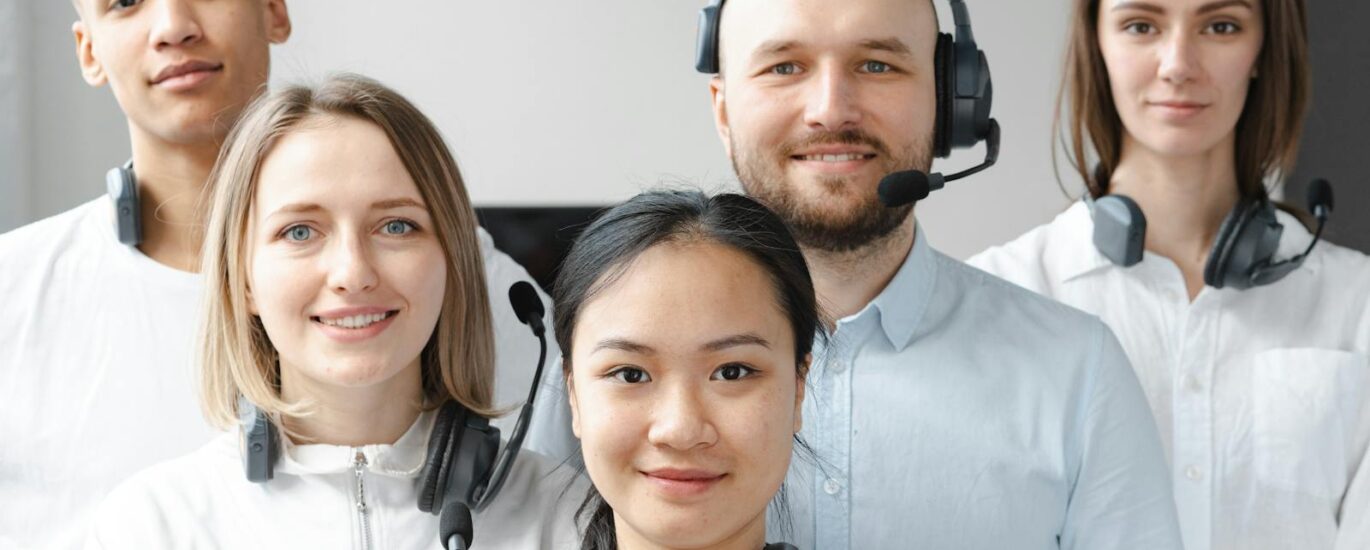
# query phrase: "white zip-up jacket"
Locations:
[[328, 496]]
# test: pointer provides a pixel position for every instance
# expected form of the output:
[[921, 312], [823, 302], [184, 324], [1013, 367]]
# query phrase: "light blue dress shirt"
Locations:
[[957, 410]]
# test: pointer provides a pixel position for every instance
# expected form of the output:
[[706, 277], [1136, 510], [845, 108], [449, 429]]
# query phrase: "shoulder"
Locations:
[[1343, 282], [1020, 323], [537, 505], [1031, 259], [167, 501], [52, 234]]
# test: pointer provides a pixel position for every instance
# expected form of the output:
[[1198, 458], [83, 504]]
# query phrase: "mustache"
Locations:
[[854, 136]]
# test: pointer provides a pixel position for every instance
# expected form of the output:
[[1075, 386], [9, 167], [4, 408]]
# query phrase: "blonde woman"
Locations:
[[347, 304]]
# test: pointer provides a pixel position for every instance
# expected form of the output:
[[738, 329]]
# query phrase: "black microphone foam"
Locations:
[[454, 526], [1319, 195], [901, 188], [527, 305]]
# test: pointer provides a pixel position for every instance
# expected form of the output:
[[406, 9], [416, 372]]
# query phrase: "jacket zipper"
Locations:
[[359, 469]]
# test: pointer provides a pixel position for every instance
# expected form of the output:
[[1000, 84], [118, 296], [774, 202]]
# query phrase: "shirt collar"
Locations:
[[901, 304], [404, 458], [1078, 256]]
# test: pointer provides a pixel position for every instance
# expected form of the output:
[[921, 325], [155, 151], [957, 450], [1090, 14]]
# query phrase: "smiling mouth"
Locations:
[[355, 322], [845, 157]]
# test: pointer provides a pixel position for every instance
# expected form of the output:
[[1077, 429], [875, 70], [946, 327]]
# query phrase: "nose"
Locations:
[[175, 24], [679, 421], [832, 103], [1179, 59], [350, 266]]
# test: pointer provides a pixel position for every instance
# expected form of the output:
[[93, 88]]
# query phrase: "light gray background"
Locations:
[[545, 103]]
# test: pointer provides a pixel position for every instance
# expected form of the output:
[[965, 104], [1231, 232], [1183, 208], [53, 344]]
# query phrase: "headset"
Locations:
[[1243, 251], [460, 472], [965, 93], [122, 186]]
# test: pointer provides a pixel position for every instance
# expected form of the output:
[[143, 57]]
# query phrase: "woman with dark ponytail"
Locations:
[[686, 323]]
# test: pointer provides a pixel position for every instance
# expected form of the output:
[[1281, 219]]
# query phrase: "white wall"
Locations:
[[567, 103], [14, 89]]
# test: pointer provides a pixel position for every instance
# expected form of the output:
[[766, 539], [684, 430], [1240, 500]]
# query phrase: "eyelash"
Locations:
[[775, 69], [620, 374], [1131, 25], [412, 228]]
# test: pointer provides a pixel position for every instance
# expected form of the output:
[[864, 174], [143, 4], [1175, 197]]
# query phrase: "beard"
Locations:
[[847, 214]]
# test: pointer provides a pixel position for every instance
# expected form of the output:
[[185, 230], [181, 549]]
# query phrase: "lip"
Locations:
[[1178, 110], [683, 483], [845, 167], [353, 335], [186, 75]]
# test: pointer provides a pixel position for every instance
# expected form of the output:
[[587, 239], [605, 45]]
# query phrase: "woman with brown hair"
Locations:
[[346, 346], [1252, 344]]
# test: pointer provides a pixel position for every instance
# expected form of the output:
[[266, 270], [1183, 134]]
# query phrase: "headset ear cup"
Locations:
[[944, 71], [1220, 255], [437, 460]]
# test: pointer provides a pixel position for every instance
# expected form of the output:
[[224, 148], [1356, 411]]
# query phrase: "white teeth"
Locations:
[[355, 321], [835, 158]]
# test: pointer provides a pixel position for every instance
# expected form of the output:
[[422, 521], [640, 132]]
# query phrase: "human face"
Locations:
[[685, 395], [1179, 70], [818, 101], [344, 269], [182, 70]]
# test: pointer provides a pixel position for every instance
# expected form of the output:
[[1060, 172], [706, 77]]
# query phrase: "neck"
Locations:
[[171, 178], [1184, 198], [846, 281], [352, 416], [751, 536]]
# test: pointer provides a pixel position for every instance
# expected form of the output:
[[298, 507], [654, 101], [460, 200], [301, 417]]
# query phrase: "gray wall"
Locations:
[[1336, 140], [555, 103], [544, 102]]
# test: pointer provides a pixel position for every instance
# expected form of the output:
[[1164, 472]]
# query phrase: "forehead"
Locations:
[[331, 160], [750, 24], [675, 296]]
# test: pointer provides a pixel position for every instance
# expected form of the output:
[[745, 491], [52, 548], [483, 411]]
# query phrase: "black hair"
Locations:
[[610, 244]]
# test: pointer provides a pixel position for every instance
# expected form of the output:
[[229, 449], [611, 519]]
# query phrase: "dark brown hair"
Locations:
[[1267, 139]]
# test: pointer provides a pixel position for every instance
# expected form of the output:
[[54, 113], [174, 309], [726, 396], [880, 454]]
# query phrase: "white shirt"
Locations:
[[97, 374], [315, 500], [1260, 394], [957, 410]]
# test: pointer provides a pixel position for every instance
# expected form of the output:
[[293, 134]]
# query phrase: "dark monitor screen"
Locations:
[[538, 238]]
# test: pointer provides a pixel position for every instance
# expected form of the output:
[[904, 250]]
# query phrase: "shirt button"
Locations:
[[831, 486], [838, 367], [1192, 383], [1193, 473]]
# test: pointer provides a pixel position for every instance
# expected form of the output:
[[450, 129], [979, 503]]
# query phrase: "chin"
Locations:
[[357, 371], [1180, 143]]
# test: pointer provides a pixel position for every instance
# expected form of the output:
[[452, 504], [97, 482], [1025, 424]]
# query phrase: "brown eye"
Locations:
[[732, 371], [630, 375]]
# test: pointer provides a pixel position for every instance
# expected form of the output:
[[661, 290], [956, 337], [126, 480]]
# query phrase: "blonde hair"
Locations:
[[237, 358]]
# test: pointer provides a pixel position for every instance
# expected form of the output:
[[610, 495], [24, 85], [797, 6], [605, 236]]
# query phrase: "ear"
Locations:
[[720, 104], [278, 21], [800, 382], [91, 70], [575, 407]]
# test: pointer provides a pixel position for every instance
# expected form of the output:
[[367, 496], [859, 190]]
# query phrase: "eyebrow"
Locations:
[[1206, 8], [387, 204], [892, 45], [624, 344]]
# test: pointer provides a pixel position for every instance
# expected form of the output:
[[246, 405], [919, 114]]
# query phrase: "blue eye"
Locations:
[[876, 67], [630, 375], [732, 371], [398, 227], [298, 233], [784, 69]]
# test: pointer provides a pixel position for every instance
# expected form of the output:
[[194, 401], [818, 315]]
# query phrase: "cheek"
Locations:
[[759, 430], [281, 287]]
